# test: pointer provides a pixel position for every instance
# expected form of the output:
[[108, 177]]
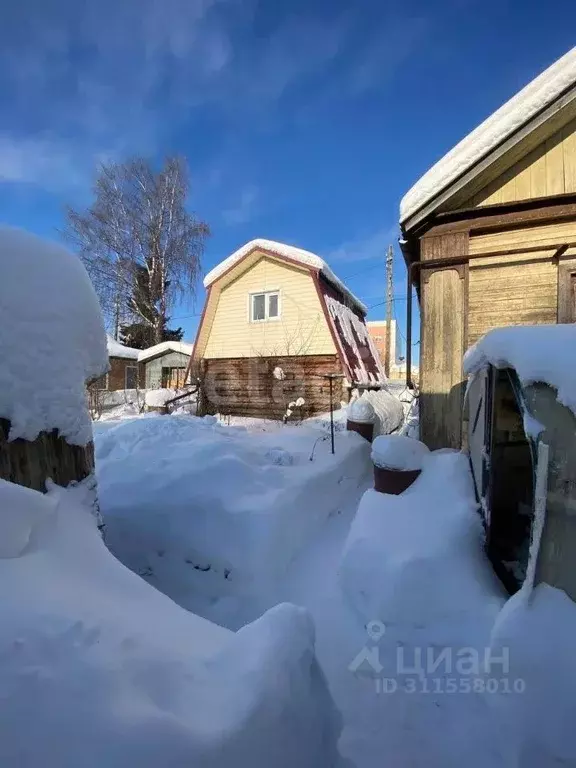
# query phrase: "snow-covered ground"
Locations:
[[99, 669], [403, 600], [197, 507]]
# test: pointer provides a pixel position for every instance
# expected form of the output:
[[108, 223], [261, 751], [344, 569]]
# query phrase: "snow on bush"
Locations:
[[99, 669], [534, 635], [398, 452], [201, 508], [538, 353], [52, 339], [418, 558]]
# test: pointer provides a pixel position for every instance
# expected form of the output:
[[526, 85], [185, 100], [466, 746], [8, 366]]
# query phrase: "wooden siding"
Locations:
[[116, 376], [247, 386], [168, 360], [548, 170], [518, 289], [300, 330], [442, 341]]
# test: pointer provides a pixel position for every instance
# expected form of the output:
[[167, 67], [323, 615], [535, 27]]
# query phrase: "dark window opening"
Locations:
[[131, 377], [511, 488]]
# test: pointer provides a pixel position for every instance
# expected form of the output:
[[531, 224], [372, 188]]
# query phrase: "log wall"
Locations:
[[248, 387]]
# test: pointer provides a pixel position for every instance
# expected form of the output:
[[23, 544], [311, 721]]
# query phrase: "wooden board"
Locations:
[[248, 387], [518, 289], [442, 342], [549, 169]]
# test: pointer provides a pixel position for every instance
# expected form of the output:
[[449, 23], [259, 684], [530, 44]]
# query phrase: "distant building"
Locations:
[[124, 371], [276, 323], [165, 364], [377, 330]]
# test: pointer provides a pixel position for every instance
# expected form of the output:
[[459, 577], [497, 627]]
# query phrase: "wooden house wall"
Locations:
[[116, 377], [247, 386], [154, 367], [517, 289], [301, 328]]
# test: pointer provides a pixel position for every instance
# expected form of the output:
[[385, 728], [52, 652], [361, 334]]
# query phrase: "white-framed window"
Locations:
[[264, 305]]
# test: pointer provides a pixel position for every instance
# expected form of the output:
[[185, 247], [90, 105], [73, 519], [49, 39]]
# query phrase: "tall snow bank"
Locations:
[[538, 353], [534, 634], [197, 507], [417, 558], [97, 668], [52, 339]]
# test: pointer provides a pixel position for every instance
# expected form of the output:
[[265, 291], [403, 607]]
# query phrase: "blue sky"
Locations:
[[302, 121]]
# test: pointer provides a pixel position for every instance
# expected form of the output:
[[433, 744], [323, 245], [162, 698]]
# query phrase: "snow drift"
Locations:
[[535, 632], [417, 558], [99, 669], [197, 507], [52, 339]]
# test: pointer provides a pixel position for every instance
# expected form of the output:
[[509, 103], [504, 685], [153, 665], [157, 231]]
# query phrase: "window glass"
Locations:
[[258, 307], [272, 305]]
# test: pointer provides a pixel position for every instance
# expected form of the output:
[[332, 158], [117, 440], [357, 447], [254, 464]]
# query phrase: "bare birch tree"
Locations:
[[140, 244]]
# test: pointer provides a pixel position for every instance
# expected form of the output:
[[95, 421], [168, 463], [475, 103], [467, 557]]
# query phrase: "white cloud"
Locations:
[[244, 209]]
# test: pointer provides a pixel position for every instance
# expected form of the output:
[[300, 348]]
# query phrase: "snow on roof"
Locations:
[[521, 108], [52, 339], [538, 353], [286, 251], [115, 349], [165, 346]]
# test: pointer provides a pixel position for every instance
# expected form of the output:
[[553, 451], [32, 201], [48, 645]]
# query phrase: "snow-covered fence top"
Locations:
[[307, 258], [538, 353], [52, 339], [496, 129]]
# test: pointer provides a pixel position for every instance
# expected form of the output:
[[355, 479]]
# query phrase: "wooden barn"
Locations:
[[489, 238], [165, 364], [276, 323], [124, 372]]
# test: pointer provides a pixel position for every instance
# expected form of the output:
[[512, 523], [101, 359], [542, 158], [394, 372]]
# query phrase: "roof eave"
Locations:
[[417, 217]]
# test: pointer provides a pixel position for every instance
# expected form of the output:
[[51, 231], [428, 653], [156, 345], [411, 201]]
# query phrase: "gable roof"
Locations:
[[165, 346], [115, 349], [282, 250], [494, 131]]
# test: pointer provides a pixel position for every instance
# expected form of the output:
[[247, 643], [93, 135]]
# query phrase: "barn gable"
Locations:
[[520, 152]]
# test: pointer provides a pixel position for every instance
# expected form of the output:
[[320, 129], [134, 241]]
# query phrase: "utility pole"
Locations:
[[389, 297]]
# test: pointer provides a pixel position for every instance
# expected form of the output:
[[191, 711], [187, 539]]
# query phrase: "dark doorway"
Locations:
[[511, 486]]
